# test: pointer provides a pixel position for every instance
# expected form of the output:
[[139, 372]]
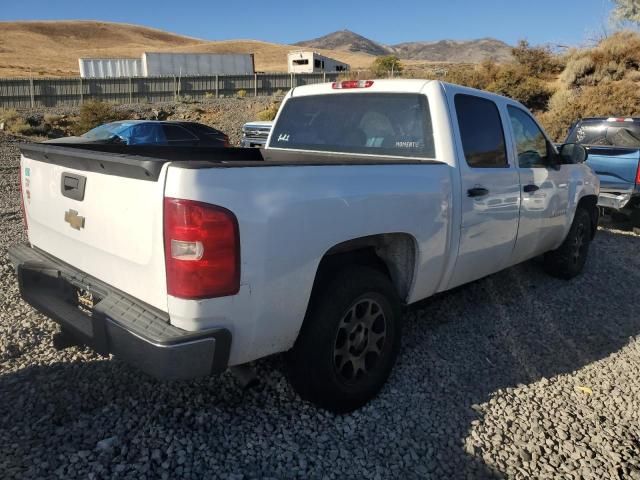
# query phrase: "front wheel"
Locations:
[[349, 341], [568, 260]]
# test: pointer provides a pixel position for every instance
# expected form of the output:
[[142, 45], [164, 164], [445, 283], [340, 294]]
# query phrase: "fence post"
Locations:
[[255, 84], [217, 85], [175, 90], [324, 77], [130, 91], [31, 93], [291, 80], [81, 92]]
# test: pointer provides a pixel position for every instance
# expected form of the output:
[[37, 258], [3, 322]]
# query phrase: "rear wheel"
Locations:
[[635, 218], [568, 260], [349, 341]]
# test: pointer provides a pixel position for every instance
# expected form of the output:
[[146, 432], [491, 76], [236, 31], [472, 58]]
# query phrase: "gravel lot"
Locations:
[[515, 376]]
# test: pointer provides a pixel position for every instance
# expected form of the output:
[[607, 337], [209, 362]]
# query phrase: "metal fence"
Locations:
[[52, 92]]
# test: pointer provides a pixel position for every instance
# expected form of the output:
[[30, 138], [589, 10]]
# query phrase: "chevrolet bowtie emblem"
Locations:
[[73, 219]]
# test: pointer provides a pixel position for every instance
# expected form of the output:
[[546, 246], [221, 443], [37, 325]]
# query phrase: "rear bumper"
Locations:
[[117, 324], [615, 200]]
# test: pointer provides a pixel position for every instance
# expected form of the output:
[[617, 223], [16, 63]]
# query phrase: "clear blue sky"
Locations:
[[287, 21]]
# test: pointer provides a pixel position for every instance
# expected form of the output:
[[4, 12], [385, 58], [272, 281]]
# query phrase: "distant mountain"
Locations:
[[347, 41], [469, 51]]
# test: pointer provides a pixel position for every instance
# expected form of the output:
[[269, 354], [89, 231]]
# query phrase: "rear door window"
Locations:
[[394, 124], [177, 135], [481, 132]]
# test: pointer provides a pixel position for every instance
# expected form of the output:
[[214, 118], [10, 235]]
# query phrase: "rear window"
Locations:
[[366, 123], [604, 133]]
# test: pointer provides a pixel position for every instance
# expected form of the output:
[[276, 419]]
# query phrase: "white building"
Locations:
[[312, 62], [168, 64], [110, 67]]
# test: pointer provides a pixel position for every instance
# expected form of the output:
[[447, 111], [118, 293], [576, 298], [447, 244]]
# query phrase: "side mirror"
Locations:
[[572, 153]]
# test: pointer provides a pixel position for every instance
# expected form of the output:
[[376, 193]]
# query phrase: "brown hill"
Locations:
[[449, 51], [44, 48]]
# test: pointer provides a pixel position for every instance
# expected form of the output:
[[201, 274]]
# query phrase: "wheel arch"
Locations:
[[394, 254], [590, 204]]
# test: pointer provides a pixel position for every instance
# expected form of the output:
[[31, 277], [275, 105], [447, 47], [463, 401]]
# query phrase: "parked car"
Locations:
[[370, 195], [614, 154], [255, 134], [151, 132]]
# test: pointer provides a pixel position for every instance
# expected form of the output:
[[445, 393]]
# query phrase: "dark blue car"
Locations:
[[152, 133]]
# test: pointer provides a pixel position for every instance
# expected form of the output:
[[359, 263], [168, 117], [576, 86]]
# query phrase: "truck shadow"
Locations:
[[515, 327]]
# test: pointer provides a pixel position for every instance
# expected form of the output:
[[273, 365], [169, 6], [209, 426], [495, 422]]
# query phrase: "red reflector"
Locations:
[[201, 249], [638, 175], [352, 84], [24, 211]]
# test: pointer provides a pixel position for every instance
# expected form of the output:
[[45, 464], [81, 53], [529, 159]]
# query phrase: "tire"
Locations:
[[568, 260], [349, 340], [635, 218]]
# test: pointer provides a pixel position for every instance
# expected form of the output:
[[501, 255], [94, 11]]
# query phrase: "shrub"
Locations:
[[94, 113], [209, 95], [269, 114], [536, 60], [8, 115], [52, 118], [384, 66], [516, 82], [241, 93], [613, 59]]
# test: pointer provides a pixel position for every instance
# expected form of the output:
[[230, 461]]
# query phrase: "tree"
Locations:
[[386, 66], [627, 10]]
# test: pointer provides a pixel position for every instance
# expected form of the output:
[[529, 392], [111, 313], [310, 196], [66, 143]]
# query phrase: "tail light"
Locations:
[[201, 248], [24, 211], [638, 175], [352, 84]]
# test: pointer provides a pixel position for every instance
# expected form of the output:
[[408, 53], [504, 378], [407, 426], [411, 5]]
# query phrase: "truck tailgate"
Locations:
[[616, 167], [102, 214]]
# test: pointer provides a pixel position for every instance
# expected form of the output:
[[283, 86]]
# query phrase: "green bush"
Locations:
[[383, 67], [241, 93], [94, 113]]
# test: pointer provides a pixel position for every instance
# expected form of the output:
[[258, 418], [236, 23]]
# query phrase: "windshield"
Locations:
[[395, 124], [606, 133], [107, 131]]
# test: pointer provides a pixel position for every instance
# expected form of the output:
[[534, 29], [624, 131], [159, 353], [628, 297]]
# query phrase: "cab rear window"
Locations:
[[606, 133], [363, 123]]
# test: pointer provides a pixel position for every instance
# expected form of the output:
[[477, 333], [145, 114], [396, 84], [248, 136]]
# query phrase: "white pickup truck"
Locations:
[[369, 196]]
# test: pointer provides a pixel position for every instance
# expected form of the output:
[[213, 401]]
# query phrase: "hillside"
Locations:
[[450, 51], [53, 48], [348, 41]]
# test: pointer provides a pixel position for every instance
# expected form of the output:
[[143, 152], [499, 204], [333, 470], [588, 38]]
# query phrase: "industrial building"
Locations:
[[153, 64], [313, 62]]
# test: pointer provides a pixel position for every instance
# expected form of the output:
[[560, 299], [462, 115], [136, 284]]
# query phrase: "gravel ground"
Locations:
[[515, 376]]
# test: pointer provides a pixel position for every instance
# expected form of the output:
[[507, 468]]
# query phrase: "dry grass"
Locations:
[[53, 48]]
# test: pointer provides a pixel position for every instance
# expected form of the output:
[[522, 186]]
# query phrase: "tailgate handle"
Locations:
[[72, 186]]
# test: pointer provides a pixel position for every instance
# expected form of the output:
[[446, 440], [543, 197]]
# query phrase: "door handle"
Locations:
[[530, 188], [477, 192], [72, 186]]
